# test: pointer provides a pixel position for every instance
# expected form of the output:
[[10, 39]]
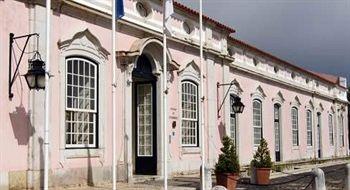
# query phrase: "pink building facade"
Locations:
[[302, 114]]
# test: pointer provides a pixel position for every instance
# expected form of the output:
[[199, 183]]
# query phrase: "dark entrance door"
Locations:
[[145, 118], [277, 132], [319, 142]]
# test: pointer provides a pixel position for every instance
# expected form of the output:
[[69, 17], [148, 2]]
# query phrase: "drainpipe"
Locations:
[[47, 97]]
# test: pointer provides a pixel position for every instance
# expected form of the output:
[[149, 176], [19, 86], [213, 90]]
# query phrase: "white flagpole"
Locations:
[[47, 97], [202, 90], [114, 85], [165, 106]]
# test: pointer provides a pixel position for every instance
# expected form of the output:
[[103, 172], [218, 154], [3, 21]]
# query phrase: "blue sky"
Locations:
[[314, 34]]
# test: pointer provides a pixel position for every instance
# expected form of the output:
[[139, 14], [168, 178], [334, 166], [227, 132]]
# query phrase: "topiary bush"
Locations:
[[262, 158], [228, 160]]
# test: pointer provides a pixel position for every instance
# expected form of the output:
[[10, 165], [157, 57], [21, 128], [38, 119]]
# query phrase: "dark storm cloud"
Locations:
[[314, 34]]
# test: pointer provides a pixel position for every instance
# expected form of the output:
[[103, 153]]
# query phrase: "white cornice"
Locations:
[[284, 82]]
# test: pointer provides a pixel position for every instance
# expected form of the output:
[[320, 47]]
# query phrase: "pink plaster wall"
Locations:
[[14, 133], [14, 117]]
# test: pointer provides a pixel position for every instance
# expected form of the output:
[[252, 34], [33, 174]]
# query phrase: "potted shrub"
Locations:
[[227, 167], [262, 164]]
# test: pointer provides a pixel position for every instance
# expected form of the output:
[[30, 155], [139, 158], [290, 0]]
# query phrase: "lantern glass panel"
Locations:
[[40, 81], [30, 78], [241, 108]]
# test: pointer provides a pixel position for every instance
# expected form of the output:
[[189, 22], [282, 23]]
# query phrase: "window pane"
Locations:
[[330, 125], [295, 128], [309, 127], [189, 106], [80, 111], [257, 122]]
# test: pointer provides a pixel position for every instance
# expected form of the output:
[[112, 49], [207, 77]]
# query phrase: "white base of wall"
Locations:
[[4, 181], [59, 177], [184, 166]]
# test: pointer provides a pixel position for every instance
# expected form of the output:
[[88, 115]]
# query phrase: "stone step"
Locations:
[[145, 178]]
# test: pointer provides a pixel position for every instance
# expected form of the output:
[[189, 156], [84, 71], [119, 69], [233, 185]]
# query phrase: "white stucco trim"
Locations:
[[83, 44], [310, 107], [278, 99], [258, 94], [295, 103], [191, 72]]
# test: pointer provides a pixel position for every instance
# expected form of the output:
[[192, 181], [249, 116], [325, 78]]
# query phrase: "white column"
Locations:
[[114, 86], [202, 95], [47, 97], [128, 124], [165, 115]]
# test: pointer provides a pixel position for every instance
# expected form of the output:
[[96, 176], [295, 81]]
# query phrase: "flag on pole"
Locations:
[[168, 11], [120, 9]]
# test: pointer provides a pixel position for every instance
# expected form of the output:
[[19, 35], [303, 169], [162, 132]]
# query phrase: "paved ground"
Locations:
[[335, 180]]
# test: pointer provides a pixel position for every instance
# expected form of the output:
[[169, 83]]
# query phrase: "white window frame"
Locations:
[[279, 137], [295, 126], [309, 132], [138, 122], [196, 120], [331, 129], [83, 44], [79, 110], [341, 131], [257, 126]]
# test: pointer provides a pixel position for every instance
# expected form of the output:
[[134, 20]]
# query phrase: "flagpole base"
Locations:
[[207, 178]]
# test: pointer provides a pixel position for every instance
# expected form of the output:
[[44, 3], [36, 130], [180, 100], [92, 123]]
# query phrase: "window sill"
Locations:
[[190, 150], [82, 153], [295, 147]]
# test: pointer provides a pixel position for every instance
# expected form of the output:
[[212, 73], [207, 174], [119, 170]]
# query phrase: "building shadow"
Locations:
[[90, 178], [22, 128], [42, 162], [221, 129]]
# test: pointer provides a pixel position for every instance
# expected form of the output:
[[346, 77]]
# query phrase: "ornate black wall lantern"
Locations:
[[237, 105], [35, 76]]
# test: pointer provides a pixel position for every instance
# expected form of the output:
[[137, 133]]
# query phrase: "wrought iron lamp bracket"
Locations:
[[218, 85], [12, 39]]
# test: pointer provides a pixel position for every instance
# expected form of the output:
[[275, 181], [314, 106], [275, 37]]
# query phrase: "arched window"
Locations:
[[309, 127], [295, 126], [257, 121], [81, 103], [330, 125], [277, 126], [189, 113]]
